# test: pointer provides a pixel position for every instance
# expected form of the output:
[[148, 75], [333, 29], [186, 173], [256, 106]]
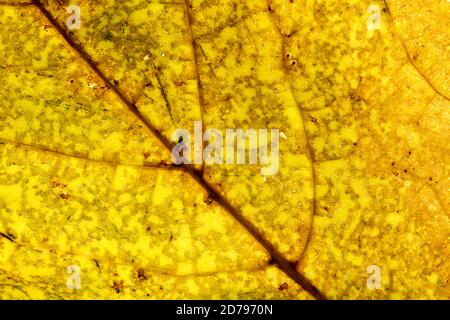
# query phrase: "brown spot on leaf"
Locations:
[[118, 285], [208, 199], [141, 274], [64, 196], [283, 286]]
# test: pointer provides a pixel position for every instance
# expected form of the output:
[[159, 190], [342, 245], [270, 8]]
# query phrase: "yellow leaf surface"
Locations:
[[87, 179], [379, 131]]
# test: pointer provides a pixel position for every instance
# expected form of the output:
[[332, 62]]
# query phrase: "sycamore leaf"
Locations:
[[88, 117], [86, 177]]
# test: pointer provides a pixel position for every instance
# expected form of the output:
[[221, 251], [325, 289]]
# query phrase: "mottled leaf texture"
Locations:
[[87, 179]]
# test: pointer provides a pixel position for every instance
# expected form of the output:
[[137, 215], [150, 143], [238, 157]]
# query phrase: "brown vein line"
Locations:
[[199, 85], [12, 4], [164, 95], [6, 236], [72, 156], [98, 262], [277, 257], [408, 55], [302, 114]]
